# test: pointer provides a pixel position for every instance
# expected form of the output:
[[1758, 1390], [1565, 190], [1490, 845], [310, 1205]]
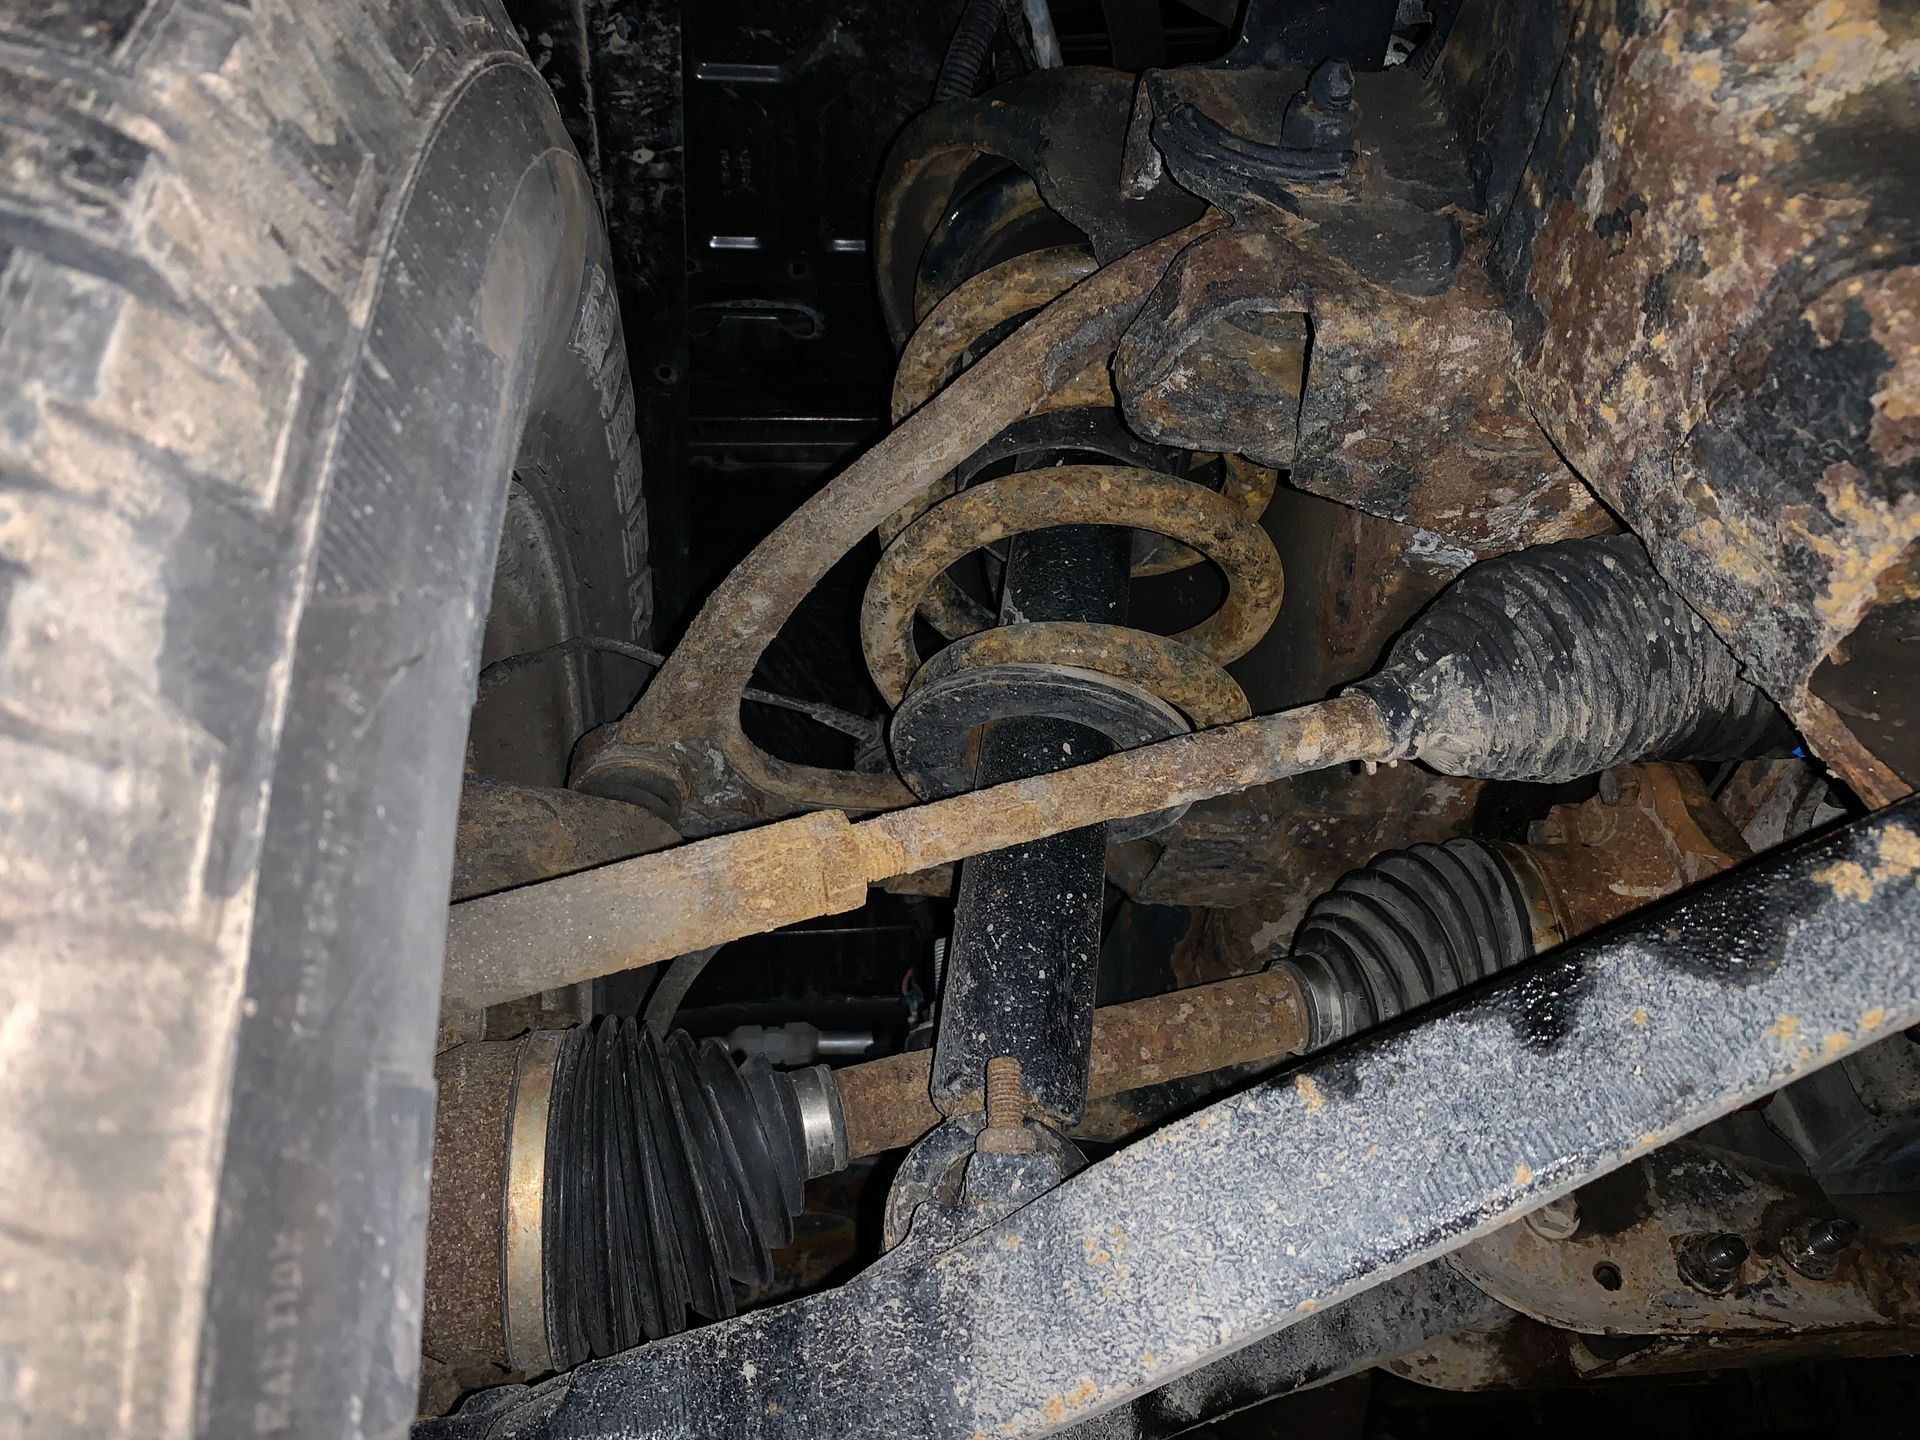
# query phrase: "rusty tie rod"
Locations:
[[654, 907]]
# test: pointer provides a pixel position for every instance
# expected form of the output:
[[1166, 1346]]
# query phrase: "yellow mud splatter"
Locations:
[[1848, 879], [1309, 1092], [1899, 854]]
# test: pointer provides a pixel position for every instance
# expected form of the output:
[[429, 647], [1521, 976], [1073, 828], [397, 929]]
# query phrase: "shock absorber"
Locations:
[[1053, 675], [638, 1179]]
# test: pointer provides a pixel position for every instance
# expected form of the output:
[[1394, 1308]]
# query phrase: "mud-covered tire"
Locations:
[[286, 294]]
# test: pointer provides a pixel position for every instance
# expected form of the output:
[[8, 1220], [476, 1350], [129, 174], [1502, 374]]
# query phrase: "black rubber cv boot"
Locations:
[[1563, 661]]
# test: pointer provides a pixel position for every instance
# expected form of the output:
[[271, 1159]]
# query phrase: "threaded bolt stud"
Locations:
[[1006, 1109]]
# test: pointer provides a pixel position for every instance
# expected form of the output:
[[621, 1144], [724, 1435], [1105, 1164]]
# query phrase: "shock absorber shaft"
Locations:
[[1026, 928]]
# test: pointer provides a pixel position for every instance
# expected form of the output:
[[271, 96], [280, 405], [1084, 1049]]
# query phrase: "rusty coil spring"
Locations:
[[1133, 685]]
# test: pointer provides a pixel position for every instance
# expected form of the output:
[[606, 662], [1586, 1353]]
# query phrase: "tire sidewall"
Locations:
[[492, 343]]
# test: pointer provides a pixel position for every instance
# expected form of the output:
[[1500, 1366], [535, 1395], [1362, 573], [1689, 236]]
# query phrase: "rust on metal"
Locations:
[[944, 344], [1651, 1210], [690, 754], [1005, 1132], [1249, 1019], [1695, 293], [1217, 359], [1259, 858], [461, 1323], [596, 923], [512, 834], [516, 834], [947, 340], [1244, 1020], [655, 907], [1522, 1354], [1176, 673], [937, 527], [1248, 486], [1409, 409], [1071, 494], [1135, 782], [1714, 265], [886, 1103], [1062, 127], [651, 908], [1777, 799], [1651, 830]]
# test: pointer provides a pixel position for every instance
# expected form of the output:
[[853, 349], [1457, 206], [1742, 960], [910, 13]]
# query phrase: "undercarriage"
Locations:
[[1453, 464], [986, 719]]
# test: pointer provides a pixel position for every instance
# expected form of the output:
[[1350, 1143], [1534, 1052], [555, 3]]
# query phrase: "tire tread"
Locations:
[[188, 196]]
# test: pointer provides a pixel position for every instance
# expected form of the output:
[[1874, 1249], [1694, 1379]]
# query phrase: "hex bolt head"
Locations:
[[1711, 1263], [1556, 1220]]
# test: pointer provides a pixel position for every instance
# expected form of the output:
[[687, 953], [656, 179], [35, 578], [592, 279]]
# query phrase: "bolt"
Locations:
[[1814, 1248], [1005, 1133], [1555, 1220], [1724, 1252], [1711, 1263], [1830, 1237], [1004, 1100], [1618, 787]]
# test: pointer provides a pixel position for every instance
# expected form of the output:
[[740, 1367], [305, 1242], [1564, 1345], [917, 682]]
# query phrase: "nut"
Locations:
[[1556, 1220]]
